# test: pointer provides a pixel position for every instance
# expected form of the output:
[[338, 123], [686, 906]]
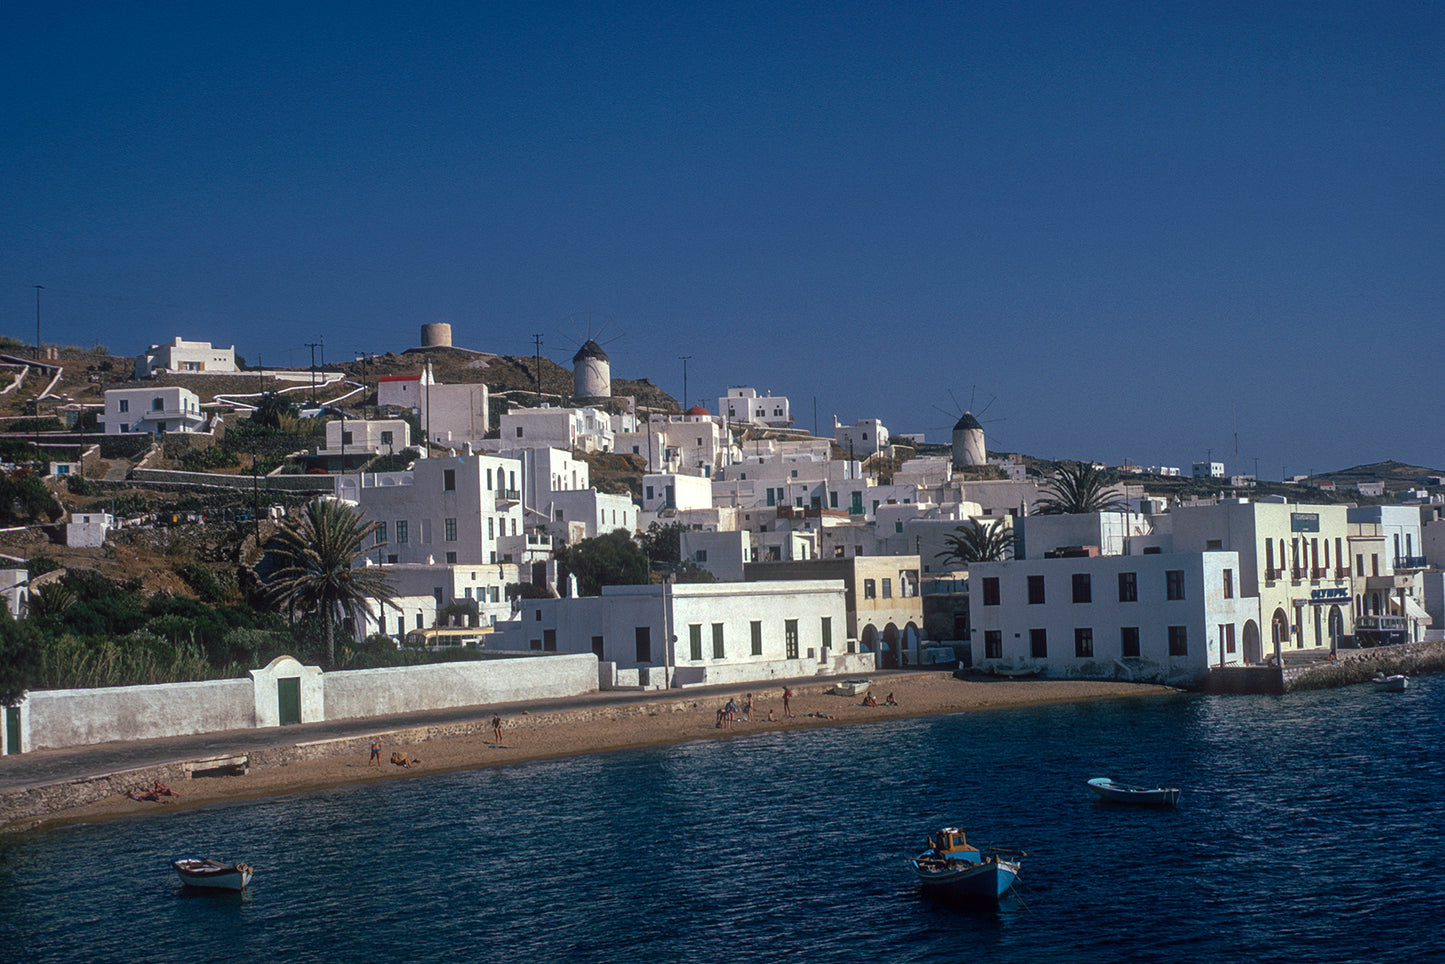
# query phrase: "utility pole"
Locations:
[[537, 340], [38, 289], [685, 406], [313, 345]]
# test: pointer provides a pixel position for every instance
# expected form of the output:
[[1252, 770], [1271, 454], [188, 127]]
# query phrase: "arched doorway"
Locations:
[[1252, 654], [911, 639], [1279, 631], [889, 650], [1337, 626], [867, 639]]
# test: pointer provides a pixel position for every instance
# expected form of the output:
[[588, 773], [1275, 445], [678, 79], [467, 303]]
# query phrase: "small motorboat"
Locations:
[[1394, 683], [1123, 793], [850, 687], [200, 872], [950, 867]]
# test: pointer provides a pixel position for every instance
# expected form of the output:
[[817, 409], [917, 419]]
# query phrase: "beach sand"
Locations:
[[630, 721]]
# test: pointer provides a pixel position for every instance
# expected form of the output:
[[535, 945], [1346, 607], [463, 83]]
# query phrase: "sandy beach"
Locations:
[[626, 723]]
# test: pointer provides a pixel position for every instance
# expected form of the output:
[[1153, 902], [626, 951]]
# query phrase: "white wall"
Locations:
[[405, 689]]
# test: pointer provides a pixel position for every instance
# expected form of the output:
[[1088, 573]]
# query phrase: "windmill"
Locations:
[[591, 368], [969, 446]]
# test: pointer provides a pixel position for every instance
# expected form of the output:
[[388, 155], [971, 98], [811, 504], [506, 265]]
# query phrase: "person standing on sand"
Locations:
[[748, 708], [496, 730], [375, 754], [787, 701]]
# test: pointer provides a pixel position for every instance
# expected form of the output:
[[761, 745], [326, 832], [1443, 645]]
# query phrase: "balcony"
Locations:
[[1296, 573], [1319, 572], [508, 495], [1270, 575], [1342, 572], [1410, 562]]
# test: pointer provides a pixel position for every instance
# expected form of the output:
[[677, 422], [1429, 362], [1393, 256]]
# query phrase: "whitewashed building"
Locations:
[[451, 510], [690, 444], [154, 410], [673, 636], [571, 429], [451, 415], [195, 357], [1165, 617], [863, 438], [745, 405]]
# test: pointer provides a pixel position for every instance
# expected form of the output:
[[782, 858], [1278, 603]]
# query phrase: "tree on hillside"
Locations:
[[609, 560], [317, 555], [272, 408], [20, 653], [25, 499], [1077, 489], [978, 542], [662, 544]]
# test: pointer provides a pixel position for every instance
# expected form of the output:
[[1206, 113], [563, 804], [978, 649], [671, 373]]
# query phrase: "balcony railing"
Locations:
[[1342, 572], [1296, 573], [508, 495], [1272, 574], [1318, 572], [1410, 562]]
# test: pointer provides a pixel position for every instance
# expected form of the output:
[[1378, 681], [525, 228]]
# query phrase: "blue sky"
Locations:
[[1134, 227]]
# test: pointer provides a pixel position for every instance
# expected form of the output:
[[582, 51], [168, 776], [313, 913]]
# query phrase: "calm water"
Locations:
[[1311, 829]]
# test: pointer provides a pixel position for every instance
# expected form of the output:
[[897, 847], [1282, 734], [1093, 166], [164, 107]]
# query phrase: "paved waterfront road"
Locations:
[[46, 767]]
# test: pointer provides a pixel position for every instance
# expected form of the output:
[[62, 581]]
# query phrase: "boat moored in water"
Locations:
[[1124, 793], [1394, 683], [953, 868], [212, 874]]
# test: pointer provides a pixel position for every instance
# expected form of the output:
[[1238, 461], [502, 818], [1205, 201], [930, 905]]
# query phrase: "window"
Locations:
[[643, 635], [1226, 636], [1083, 590], [694, 641], [157, 405], [1129, 642], [125, 404], [990, 590], [519, 431], [401, 533], [870, 589], [1359, 562], [827, 632], [1211, 545], [449, 480], [993, 644], [124, 427], [898, 526], [1036, 590], [597, 646], [717, 640], [380, 533], [757, 632], [1228, 583], [1038, 643], [790, 638], [346, 438], [549, 640], [1178, 641], [1174, 583], [888, 589], [1128, 587], [451, 530], [386, 438], [700, 556], [1084, 642], [451, 558]]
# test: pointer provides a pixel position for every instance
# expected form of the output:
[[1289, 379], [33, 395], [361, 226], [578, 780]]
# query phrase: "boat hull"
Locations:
[[1145, 796], [985, 880], [1391, 684], [211, 875]]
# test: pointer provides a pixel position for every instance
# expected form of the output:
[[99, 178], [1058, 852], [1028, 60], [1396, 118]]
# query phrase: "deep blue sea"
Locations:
[[1311, 829]]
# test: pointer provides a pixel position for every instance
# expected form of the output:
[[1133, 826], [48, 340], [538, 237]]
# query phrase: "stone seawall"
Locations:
[[1360, 665]]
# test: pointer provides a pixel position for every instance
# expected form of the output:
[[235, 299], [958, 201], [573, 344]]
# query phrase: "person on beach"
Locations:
[[496, 730], [748, 708], [787, 701], [375, 754], [772, 718], [870, 700], [730, 712]]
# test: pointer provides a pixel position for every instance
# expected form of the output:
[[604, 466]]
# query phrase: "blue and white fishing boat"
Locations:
[[1393, 683], [212, 874], [951, 867], [1123, 793]]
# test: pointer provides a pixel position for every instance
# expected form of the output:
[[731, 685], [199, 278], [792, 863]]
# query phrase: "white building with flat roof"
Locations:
[[1163, 617], [155, 411], [195, 357], [861, 439], [675, 636], [745, 405], [451, 510]]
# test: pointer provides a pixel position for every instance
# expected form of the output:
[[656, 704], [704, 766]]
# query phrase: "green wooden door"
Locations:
[[12, 730], [288, 693]]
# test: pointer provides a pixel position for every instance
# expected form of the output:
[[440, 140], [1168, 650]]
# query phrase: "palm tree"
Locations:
[[1077, 489], [978, 542], [317, 552]]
